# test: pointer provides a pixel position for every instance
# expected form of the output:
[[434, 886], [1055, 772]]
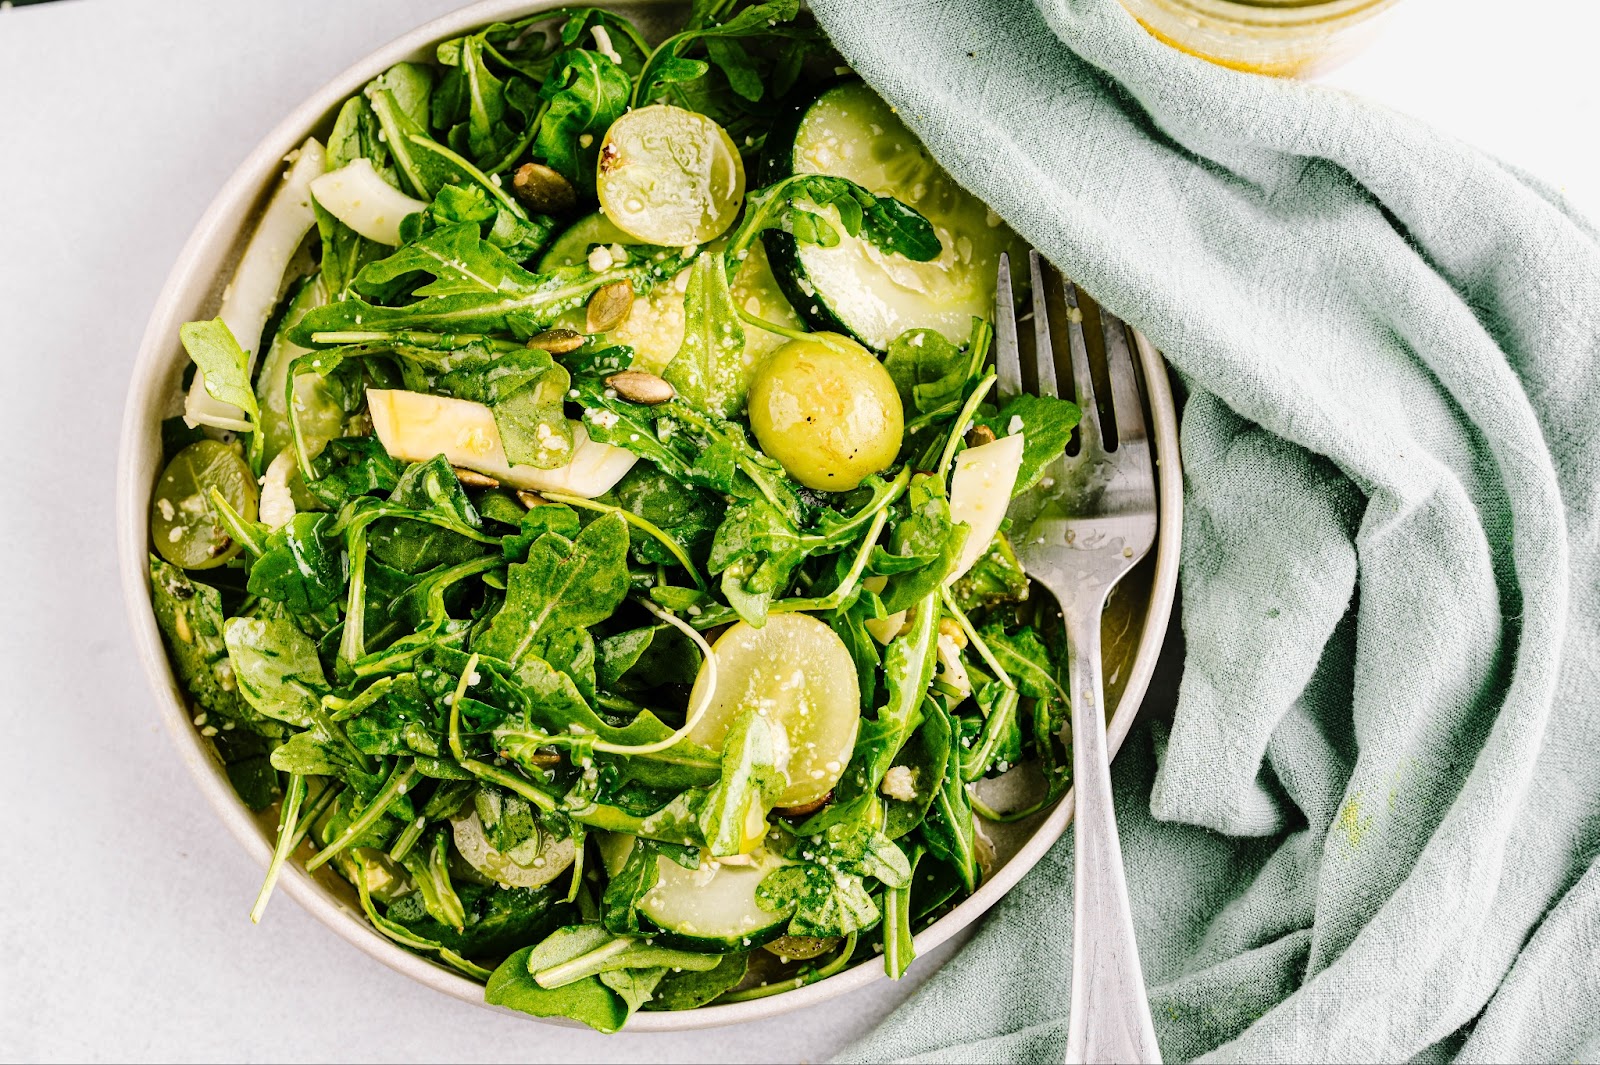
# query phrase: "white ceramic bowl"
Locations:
[[1135, 622]]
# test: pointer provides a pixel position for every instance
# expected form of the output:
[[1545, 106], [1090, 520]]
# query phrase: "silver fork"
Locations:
[[1079, 531]]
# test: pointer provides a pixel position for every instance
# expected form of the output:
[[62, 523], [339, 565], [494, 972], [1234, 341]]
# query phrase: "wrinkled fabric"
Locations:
[[1371, 832]]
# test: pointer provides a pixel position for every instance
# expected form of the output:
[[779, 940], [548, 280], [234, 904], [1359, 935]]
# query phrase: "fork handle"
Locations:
[[1110, 1018]]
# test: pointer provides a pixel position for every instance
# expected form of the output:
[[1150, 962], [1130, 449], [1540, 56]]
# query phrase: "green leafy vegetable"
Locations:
[[710, 370]]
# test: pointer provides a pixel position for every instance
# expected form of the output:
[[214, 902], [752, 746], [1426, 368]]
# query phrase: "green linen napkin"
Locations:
[[1371, 832]]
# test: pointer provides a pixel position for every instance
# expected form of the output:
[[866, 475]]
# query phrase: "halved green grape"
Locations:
[[184, 526], [669, 176], [828, 410], [798, 675]]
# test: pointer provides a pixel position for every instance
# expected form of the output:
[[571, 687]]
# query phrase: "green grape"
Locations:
[[828, 410], [184, 526], [670, 177], [800, 675]]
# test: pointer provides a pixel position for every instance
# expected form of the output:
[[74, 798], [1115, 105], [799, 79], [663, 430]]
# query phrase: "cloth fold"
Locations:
[[1371, 834]]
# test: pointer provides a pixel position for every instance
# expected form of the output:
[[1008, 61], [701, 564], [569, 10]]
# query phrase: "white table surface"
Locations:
[[123, 930]]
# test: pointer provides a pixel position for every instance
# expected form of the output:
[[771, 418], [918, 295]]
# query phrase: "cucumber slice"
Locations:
[[712, 908], [533, 863], [654, 328], [855, 288]]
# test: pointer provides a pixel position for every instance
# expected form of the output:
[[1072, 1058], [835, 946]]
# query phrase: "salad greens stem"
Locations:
[[937, 414], [287, 819], [698, 712], [968, 411], [511, 782], [810, 976], [455, 707], [584, 964], [995, 727], [834, 599], [400, 934], [238, 528], [989, 813], [325, 798], [407, 839], [840, 533], [972, 637], [353, 641], [579, 849], [899, 946], [637, 522], [399, 779], [773, 327]]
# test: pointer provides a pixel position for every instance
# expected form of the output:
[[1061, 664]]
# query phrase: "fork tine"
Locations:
[[1044, 362], [1007, 356], [1125, 403], [1089, 427]]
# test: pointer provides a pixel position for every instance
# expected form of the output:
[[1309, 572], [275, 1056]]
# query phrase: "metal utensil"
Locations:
[[1079, 531]]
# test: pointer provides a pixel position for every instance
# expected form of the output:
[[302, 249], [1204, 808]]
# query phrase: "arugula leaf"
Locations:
[[225, 367], [589, 1001], [302, 567], [751, 782], [353, 466], [608, 954], [710, 370], [667, 64], [191, 620], [690, 989], [997, 577], [634, 986], [826, 902], [498, 920], [926, 532], [1046, 425], [564, 583], [908, 667], [756, 550], [522, 304], [880, 220], [641, 659], [190, 617], [928, 371], [584, 96], [688, 516], [949, 828], [737, 66], [277, 668], [924, 758]]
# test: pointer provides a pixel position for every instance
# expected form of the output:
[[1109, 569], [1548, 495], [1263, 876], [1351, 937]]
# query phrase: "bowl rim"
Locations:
[[217, 236]]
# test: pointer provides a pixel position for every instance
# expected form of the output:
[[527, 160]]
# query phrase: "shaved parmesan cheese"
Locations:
[[357, 195], [250, 296], [980, 492], [277, 501], [414, 427]]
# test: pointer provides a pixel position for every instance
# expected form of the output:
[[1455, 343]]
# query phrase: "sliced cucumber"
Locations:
[[853, 287], [654, 328], [534, 862], [711, 908]]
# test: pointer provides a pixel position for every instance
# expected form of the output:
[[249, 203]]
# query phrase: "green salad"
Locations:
[[584, 532]]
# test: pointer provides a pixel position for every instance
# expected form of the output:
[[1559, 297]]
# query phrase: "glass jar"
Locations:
[[1286, 38]]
